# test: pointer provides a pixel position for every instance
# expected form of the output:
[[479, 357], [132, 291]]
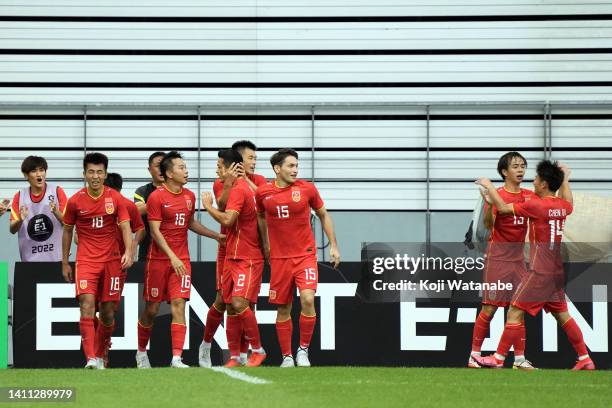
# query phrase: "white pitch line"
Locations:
[[239, 375]]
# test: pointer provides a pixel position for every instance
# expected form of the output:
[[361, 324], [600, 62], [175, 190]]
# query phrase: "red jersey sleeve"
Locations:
[[258, 180], [217, 189], [529, 209], [135, 219], [154, 207], [61, 199], [15, 208], [259, 200], [235, 202], [193, 201], [70, 213], [568, 206], [123, 214], [315, 200]]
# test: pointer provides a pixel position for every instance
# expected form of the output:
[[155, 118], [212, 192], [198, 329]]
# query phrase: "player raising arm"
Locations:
[[542, 287]]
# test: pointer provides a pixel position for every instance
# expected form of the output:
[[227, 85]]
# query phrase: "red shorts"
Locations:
[[242, 278], [287, 273], [540, 291], [163, 284], [219, 270], [102, 279], [504, 272]]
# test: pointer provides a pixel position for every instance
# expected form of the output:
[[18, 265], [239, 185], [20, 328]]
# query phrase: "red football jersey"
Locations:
[[174, 210], [218, 190], [508, 235], [243, 236], [288, 216], [96, 220], [258, 179], [546, 222], [136, 223]]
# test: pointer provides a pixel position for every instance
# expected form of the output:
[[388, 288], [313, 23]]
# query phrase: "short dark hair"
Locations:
[[551, 173], [154, 155], [505, 161], [95, 158], [280, 156], [31, 163], [114, 181], [229, 156], [240, 145], [166, 162]]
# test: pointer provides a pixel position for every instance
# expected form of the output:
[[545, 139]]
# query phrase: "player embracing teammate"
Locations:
[[543, 286]]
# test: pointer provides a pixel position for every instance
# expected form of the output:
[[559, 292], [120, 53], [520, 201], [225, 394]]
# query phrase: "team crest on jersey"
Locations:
[[272, 294], [109, 205], [154, 292], [189, 204], [83, 284], [295, 196]]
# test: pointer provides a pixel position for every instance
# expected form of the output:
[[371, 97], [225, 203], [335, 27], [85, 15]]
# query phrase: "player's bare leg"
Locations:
[[178, 330], [284, 332], [104, 332], [481, 328], [249, 325], [213, 319], [308, 319], [87, 306], [574, 335], [145, 327]]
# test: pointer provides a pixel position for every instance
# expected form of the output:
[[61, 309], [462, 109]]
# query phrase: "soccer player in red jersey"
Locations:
[[170, 212], [115, 181], [504, 259], [284, 219], [96, 211], [243, 267], [229, 169], [542, 287]]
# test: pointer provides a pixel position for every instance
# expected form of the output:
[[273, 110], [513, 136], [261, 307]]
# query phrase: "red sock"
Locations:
[[103, 336], [574, 335], [481, 329], [233, 330], [307, 324], [178, 332], [96, 323], [284, 332], [88, 336], [244, 343], [213, 320], [519, 346], [510, 336], [144, 334], [249, 324]]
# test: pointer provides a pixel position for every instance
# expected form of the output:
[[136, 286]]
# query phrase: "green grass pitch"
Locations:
[[321, 387]]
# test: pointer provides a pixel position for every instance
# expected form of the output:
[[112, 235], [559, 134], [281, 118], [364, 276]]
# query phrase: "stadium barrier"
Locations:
[[354, 328]]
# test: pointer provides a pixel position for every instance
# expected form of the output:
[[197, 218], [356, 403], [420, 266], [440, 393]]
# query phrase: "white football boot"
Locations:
[[204, 355], [142, 360], [287, 362], [301, 357], [177, 362]]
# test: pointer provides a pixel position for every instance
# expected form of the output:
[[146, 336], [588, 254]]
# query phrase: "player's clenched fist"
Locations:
[[334, 256]]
